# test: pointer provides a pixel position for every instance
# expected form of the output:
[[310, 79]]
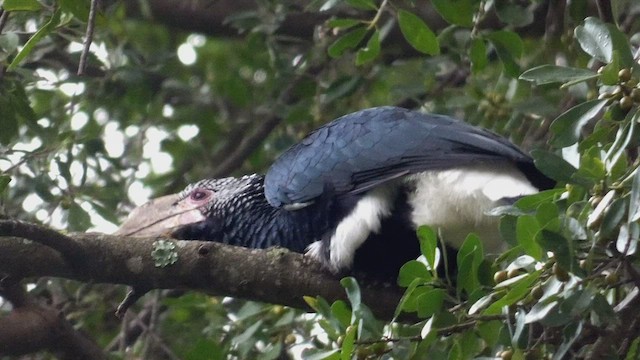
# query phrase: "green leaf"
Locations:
[[613, 217], [248, 333], [4, 181], [513, 14], [561, 247], [517, 292], [78, 219], [527, 228], [417, 33], [39, 35], [478, 55], [353, 292], [412, 270], [566, 128], [341, 311], [456, 12], [609, 72], [9, 120], [407, 302], [347, 41], [21, 5], [549, 74], [592, 168], [634, 200], [371, 51], [79, 8], [490, 331], [428, 245], [348, 343], [343, 23], [470, 256], [601, 40], [548, 217], [571, 333], [531, 202], [509, 46], [553, 166], [430, 302], [363, 4], [633, 352]]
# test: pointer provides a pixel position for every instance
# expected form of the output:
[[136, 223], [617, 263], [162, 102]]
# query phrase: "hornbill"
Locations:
[[352, 193]]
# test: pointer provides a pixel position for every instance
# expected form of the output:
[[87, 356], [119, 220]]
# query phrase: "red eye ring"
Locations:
[[198, 195]]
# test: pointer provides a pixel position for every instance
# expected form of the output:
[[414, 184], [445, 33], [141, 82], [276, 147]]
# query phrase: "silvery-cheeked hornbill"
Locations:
[[352, 192]]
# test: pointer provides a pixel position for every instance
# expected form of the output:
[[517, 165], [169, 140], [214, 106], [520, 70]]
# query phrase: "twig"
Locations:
[[68, 248], [604, 11], [132, 296], [376, 18], [447, 330], [4, 15], [91, 24]]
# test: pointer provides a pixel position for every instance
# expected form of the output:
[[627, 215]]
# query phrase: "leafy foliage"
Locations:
[[158, 108]]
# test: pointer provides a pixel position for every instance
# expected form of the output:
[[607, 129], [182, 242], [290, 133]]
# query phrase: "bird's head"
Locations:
[[198, 201]]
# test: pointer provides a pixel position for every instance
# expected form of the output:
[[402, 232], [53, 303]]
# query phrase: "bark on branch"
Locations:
[[273, 275]]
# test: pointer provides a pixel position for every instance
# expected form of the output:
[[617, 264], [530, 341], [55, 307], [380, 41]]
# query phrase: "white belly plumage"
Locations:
[[453, 202]]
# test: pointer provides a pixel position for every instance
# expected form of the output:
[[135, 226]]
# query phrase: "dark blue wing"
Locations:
[[366, 148]]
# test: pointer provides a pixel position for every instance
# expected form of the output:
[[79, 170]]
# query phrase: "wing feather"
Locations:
[[364, 149]]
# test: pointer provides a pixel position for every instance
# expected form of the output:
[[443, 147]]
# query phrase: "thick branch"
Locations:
[[273, 276], [32, 326]]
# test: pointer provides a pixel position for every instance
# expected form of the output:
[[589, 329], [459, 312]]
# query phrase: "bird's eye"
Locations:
[[198, 195]]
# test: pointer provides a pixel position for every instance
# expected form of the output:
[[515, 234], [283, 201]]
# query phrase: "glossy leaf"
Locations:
[[412, 270], [430, 302], [613, 217], [514, 13], [343, 23], [600, 40], [341, 311], [353, 292], [517, 292], [348, 343], [566, 128], [371, 51], [634, 201], [531, 202], [4, 182], [509, 47], [417, 33], [527, 228], [428, 244], [347, 41], [549, 74], [562, 248], [553, 166], [469, 258], [35, 39], [78, 218], [457, 12], [478, 55], [548, 216], [363, 4], [21, 5]]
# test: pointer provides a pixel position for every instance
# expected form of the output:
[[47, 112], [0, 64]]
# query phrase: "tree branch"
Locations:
[[32, 326], [273, 275]]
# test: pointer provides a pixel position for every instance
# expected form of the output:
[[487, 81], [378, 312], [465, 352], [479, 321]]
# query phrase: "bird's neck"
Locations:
[[251, 222]]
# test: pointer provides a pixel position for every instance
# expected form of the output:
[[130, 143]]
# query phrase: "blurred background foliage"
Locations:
[[175, 91]]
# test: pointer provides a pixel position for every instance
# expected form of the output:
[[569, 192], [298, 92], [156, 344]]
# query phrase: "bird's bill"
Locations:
[[160, 216]]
